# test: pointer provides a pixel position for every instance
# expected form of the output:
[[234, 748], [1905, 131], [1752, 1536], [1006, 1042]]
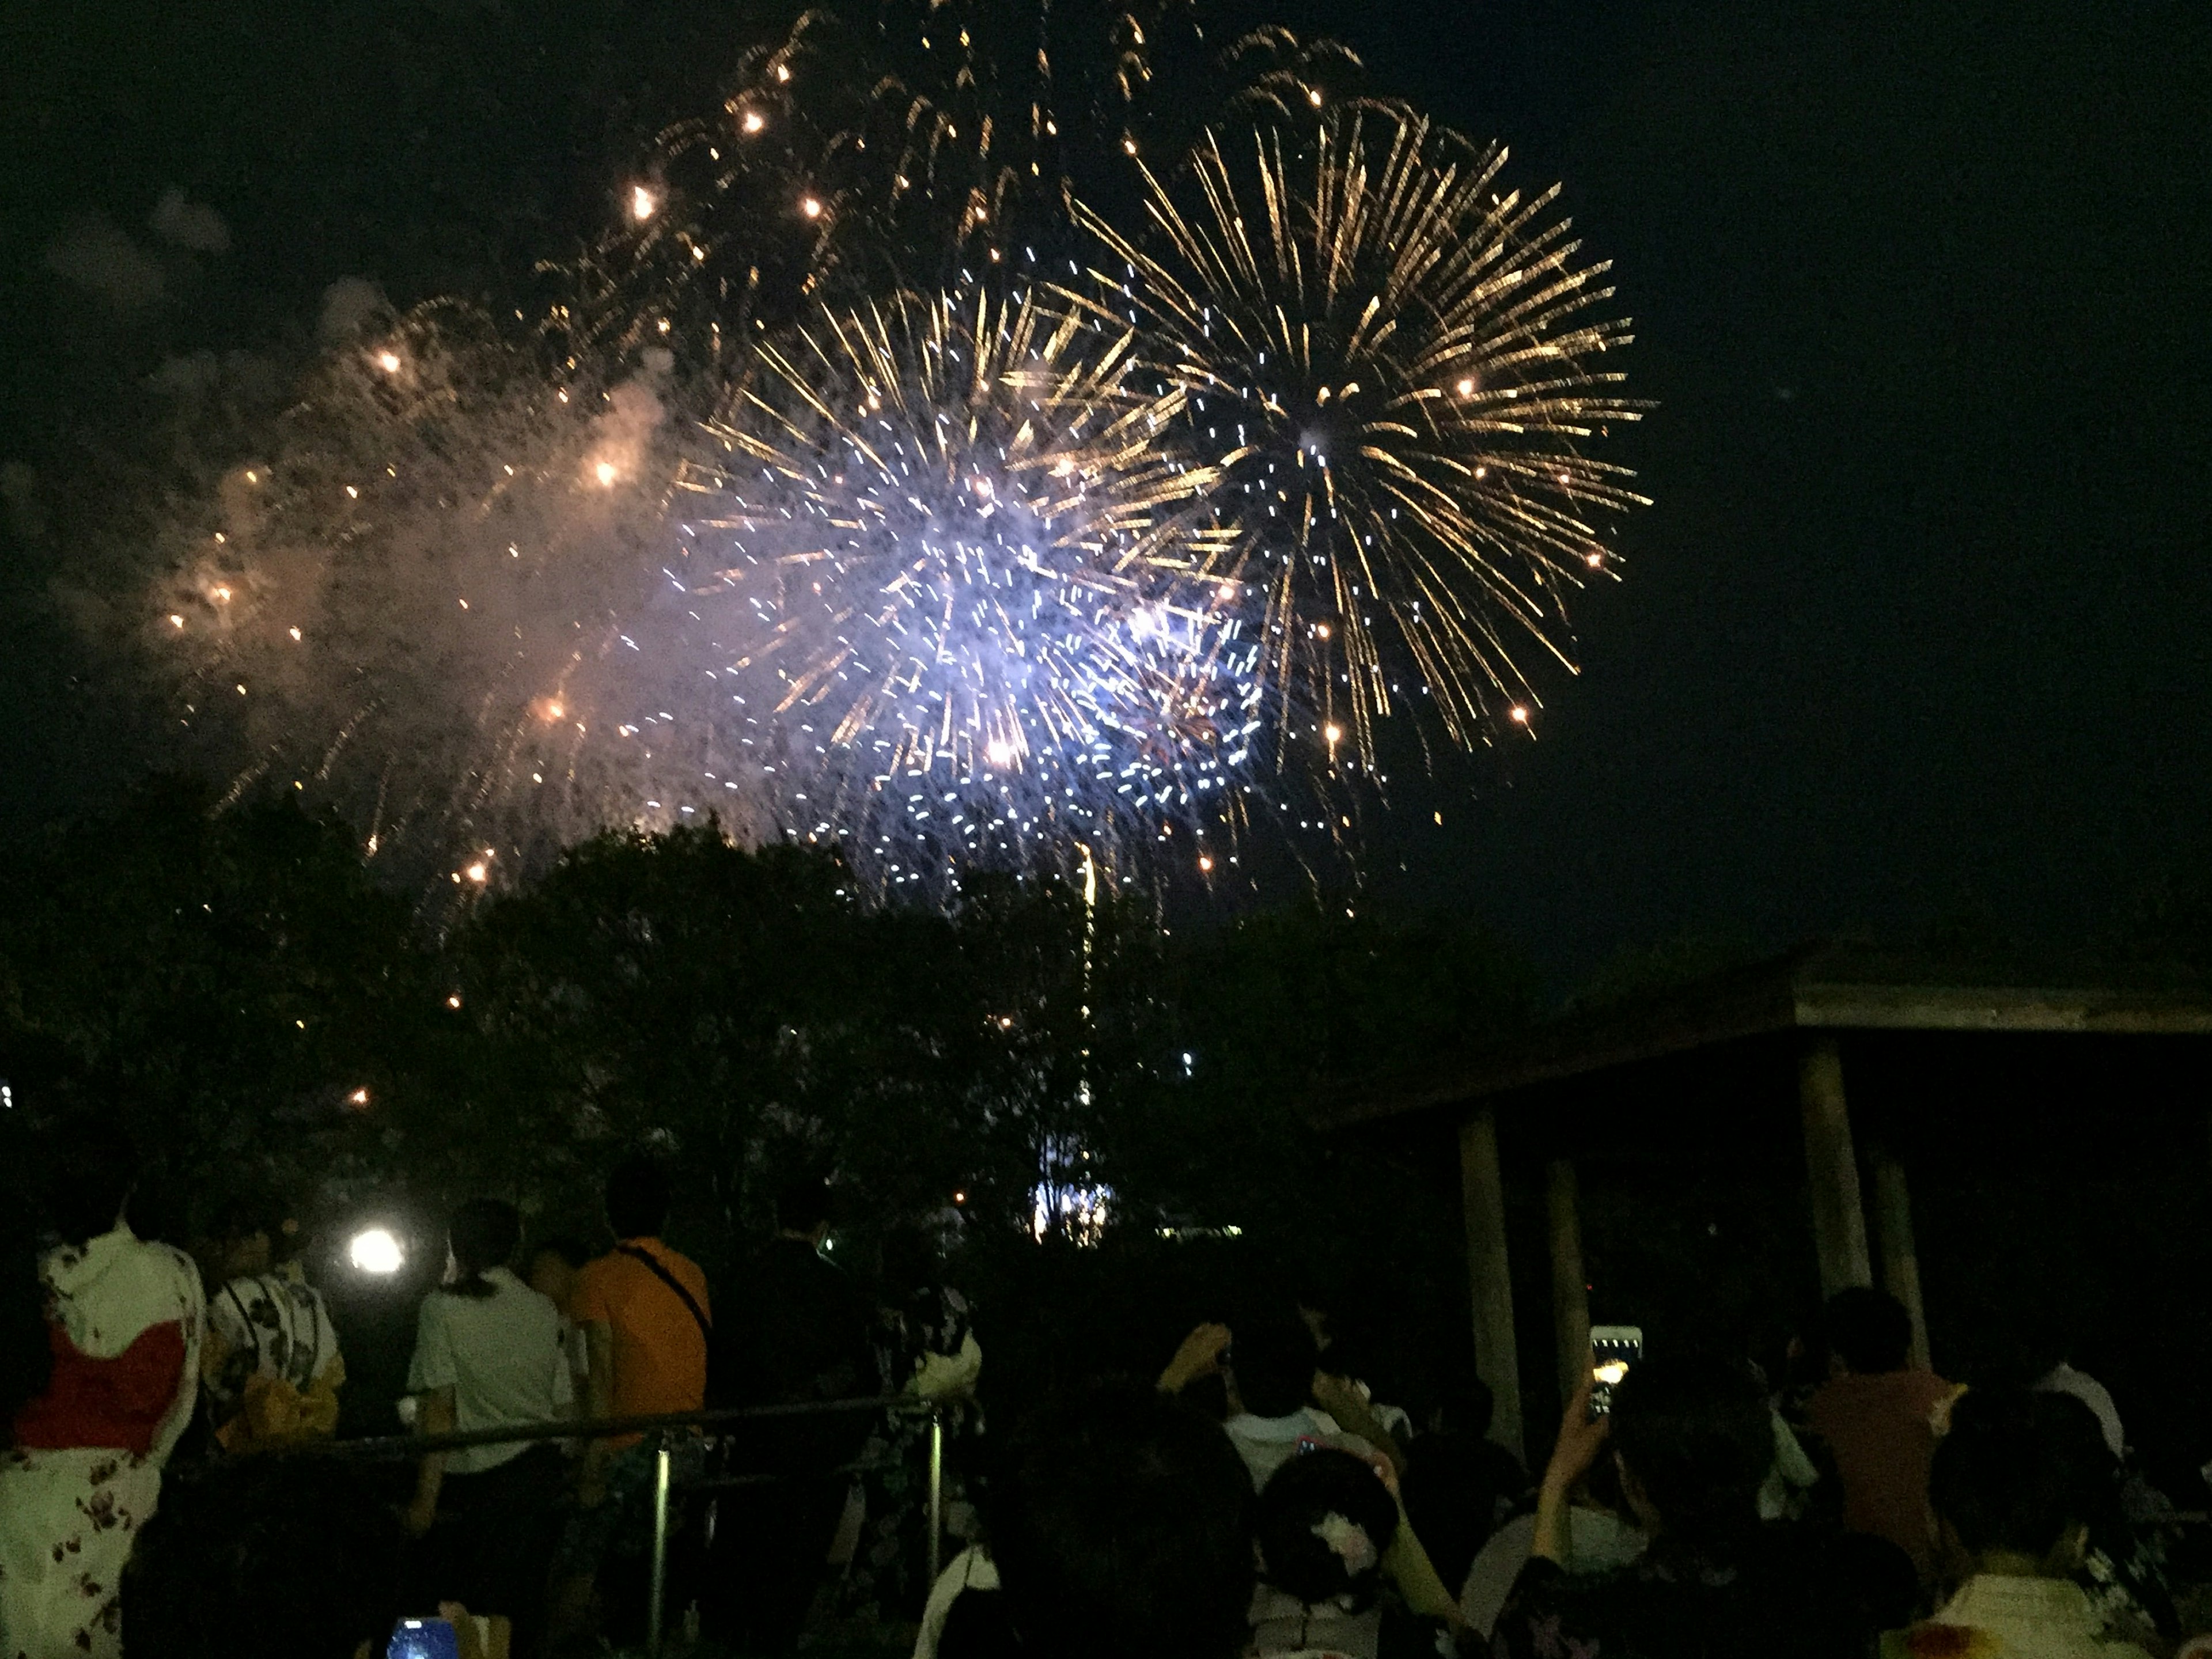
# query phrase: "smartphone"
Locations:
[[1615, 1349], [423, 1638]]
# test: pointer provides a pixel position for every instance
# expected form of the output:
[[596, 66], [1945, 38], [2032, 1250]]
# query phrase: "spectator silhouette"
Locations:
[[1879, 1419], [1121, 1525], [2013, 1493], [1325, 1521], [647, 1322], [122, 1335], [1691, 1440], [270, 1369], [266, 1557], [488, 1355], [796, 1333]]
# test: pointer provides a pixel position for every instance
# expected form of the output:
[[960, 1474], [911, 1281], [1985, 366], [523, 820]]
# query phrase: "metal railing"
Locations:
[[665, 1425]]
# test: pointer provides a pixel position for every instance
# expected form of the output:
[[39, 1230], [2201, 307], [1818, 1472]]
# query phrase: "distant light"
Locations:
[[1333, 732], [388, 361], [222, 596], [454, 1001], [253, 477], [358, 1097], [959, 1198], [175, 621], [605, 473], [1000, 752], [1596, 560], [1519, 715], [477, 872], [1129, 147], [782, 73], [1313, 96], [1466, 388], [294, 632], [643, 204], [811, 207], [1321, 629], [1206, 861], [754, 121], [374, 1250]]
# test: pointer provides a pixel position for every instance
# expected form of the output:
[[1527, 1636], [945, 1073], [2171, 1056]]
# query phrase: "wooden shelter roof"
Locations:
[[1818, 989]]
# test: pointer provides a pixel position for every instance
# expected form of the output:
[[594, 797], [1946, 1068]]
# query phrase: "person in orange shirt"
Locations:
[[1880, 1418], [647, 1321]]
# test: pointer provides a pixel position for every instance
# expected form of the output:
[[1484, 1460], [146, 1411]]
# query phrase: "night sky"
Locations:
[[1918, 628]]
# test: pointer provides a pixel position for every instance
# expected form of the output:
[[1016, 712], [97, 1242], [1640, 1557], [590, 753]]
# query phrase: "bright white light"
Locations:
[[605, 473], [754, 121], [643, 204], [811, 207], [388, 361], [999, 752], [374, 1250], [476, 872], [1520, 715], [1466, 388]]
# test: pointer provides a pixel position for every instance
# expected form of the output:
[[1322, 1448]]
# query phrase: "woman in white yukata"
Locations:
[[82, 1470]]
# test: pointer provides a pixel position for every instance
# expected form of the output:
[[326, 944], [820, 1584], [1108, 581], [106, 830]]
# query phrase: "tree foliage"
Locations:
[[275, 1017]]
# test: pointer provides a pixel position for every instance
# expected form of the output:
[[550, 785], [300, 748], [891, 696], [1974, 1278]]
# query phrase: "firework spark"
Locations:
[[1391, 371]]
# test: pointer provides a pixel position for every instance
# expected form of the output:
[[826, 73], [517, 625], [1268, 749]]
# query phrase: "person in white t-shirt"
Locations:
[[488, 1355]]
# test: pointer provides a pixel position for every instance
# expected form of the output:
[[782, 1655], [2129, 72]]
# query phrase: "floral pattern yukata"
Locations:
[[271, 1370], [125, 1320]]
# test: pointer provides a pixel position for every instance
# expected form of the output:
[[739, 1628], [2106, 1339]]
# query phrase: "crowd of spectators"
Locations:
[[167, 1488]]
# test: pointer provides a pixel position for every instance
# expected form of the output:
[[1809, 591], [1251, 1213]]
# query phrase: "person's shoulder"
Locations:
[[596, 1282], [688, 1273]]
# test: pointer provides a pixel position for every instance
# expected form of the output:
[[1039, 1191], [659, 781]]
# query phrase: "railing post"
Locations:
[[936, 1492], [659, 1548]]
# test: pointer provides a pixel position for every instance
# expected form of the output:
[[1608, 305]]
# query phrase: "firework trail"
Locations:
[[1391, 372], [918, 149]]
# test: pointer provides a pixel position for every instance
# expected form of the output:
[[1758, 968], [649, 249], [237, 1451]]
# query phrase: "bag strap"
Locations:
[[245, 1319], [690, 1302]]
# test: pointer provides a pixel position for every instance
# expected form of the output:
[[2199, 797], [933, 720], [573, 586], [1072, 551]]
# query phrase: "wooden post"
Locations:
[[1900, 1261], [1570, 1287], [1482, 1192], [1832, 1171]]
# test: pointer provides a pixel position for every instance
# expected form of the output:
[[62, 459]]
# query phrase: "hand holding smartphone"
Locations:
[[1614, 1351], [424, 1638]]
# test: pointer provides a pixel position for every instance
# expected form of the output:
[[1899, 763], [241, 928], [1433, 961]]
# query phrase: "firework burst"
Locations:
[[958, 613], [1391, 372]]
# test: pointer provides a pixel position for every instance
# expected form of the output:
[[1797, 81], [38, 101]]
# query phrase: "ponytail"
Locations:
[[483, 1233]]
